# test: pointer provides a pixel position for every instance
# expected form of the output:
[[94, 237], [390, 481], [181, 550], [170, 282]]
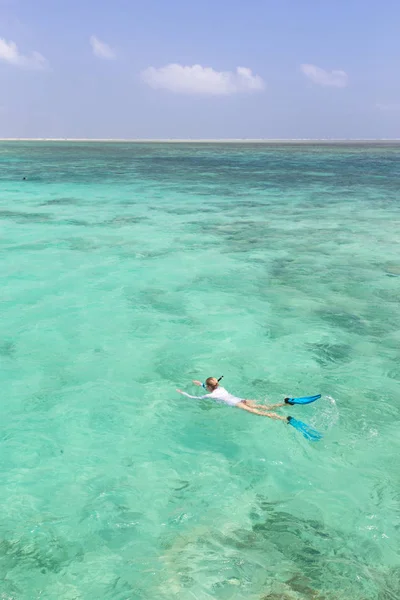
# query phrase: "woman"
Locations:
[[220, 394]]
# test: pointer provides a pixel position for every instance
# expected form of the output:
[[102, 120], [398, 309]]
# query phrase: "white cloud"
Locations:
[[9, 53], [202, 80], [388, 107], [101, 49], [322, 77]]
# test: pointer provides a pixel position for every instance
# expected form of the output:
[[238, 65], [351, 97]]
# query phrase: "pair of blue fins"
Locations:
[[308, 432]]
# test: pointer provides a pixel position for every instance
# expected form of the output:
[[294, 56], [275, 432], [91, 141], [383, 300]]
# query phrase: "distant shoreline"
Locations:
[[208, 141]]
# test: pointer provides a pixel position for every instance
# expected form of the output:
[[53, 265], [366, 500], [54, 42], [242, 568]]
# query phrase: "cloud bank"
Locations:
[[327, 78], [202, 80], [388, 107], [10, 54], [101, 49]]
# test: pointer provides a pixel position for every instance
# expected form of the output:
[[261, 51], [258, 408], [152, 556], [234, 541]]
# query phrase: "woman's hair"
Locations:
[[212, 382]]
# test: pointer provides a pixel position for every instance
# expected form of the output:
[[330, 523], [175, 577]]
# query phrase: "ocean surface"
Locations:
[[127, 270]]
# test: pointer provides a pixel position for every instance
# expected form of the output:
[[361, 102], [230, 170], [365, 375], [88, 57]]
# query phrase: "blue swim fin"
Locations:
[[303, 400], [308, 432]]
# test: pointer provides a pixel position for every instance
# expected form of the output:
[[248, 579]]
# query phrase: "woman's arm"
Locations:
[[194, 397]]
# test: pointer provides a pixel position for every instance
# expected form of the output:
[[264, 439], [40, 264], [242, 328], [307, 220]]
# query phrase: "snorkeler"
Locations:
[[220, 394]]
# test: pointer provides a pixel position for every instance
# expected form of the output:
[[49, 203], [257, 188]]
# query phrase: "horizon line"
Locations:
[[199, 140]]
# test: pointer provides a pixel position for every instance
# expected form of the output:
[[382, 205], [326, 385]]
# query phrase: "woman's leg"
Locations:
[[254, 404], [255, 411]]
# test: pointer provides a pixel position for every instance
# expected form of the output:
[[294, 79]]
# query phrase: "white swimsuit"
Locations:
[[220, 394]]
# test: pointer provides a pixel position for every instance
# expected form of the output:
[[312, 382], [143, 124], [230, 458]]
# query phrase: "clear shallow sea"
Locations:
[[129, 269]]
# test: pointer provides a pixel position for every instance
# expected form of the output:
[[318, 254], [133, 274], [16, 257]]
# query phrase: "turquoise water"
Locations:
[[128, 270]]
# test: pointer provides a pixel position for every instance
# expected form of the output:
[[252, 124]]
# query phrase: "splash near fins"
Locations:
[[308, 432], [303, 400]]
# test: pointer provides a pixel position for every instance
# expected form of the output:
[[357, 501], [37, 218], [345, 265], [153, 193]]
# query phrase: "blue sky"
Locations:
[[210, 69]]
